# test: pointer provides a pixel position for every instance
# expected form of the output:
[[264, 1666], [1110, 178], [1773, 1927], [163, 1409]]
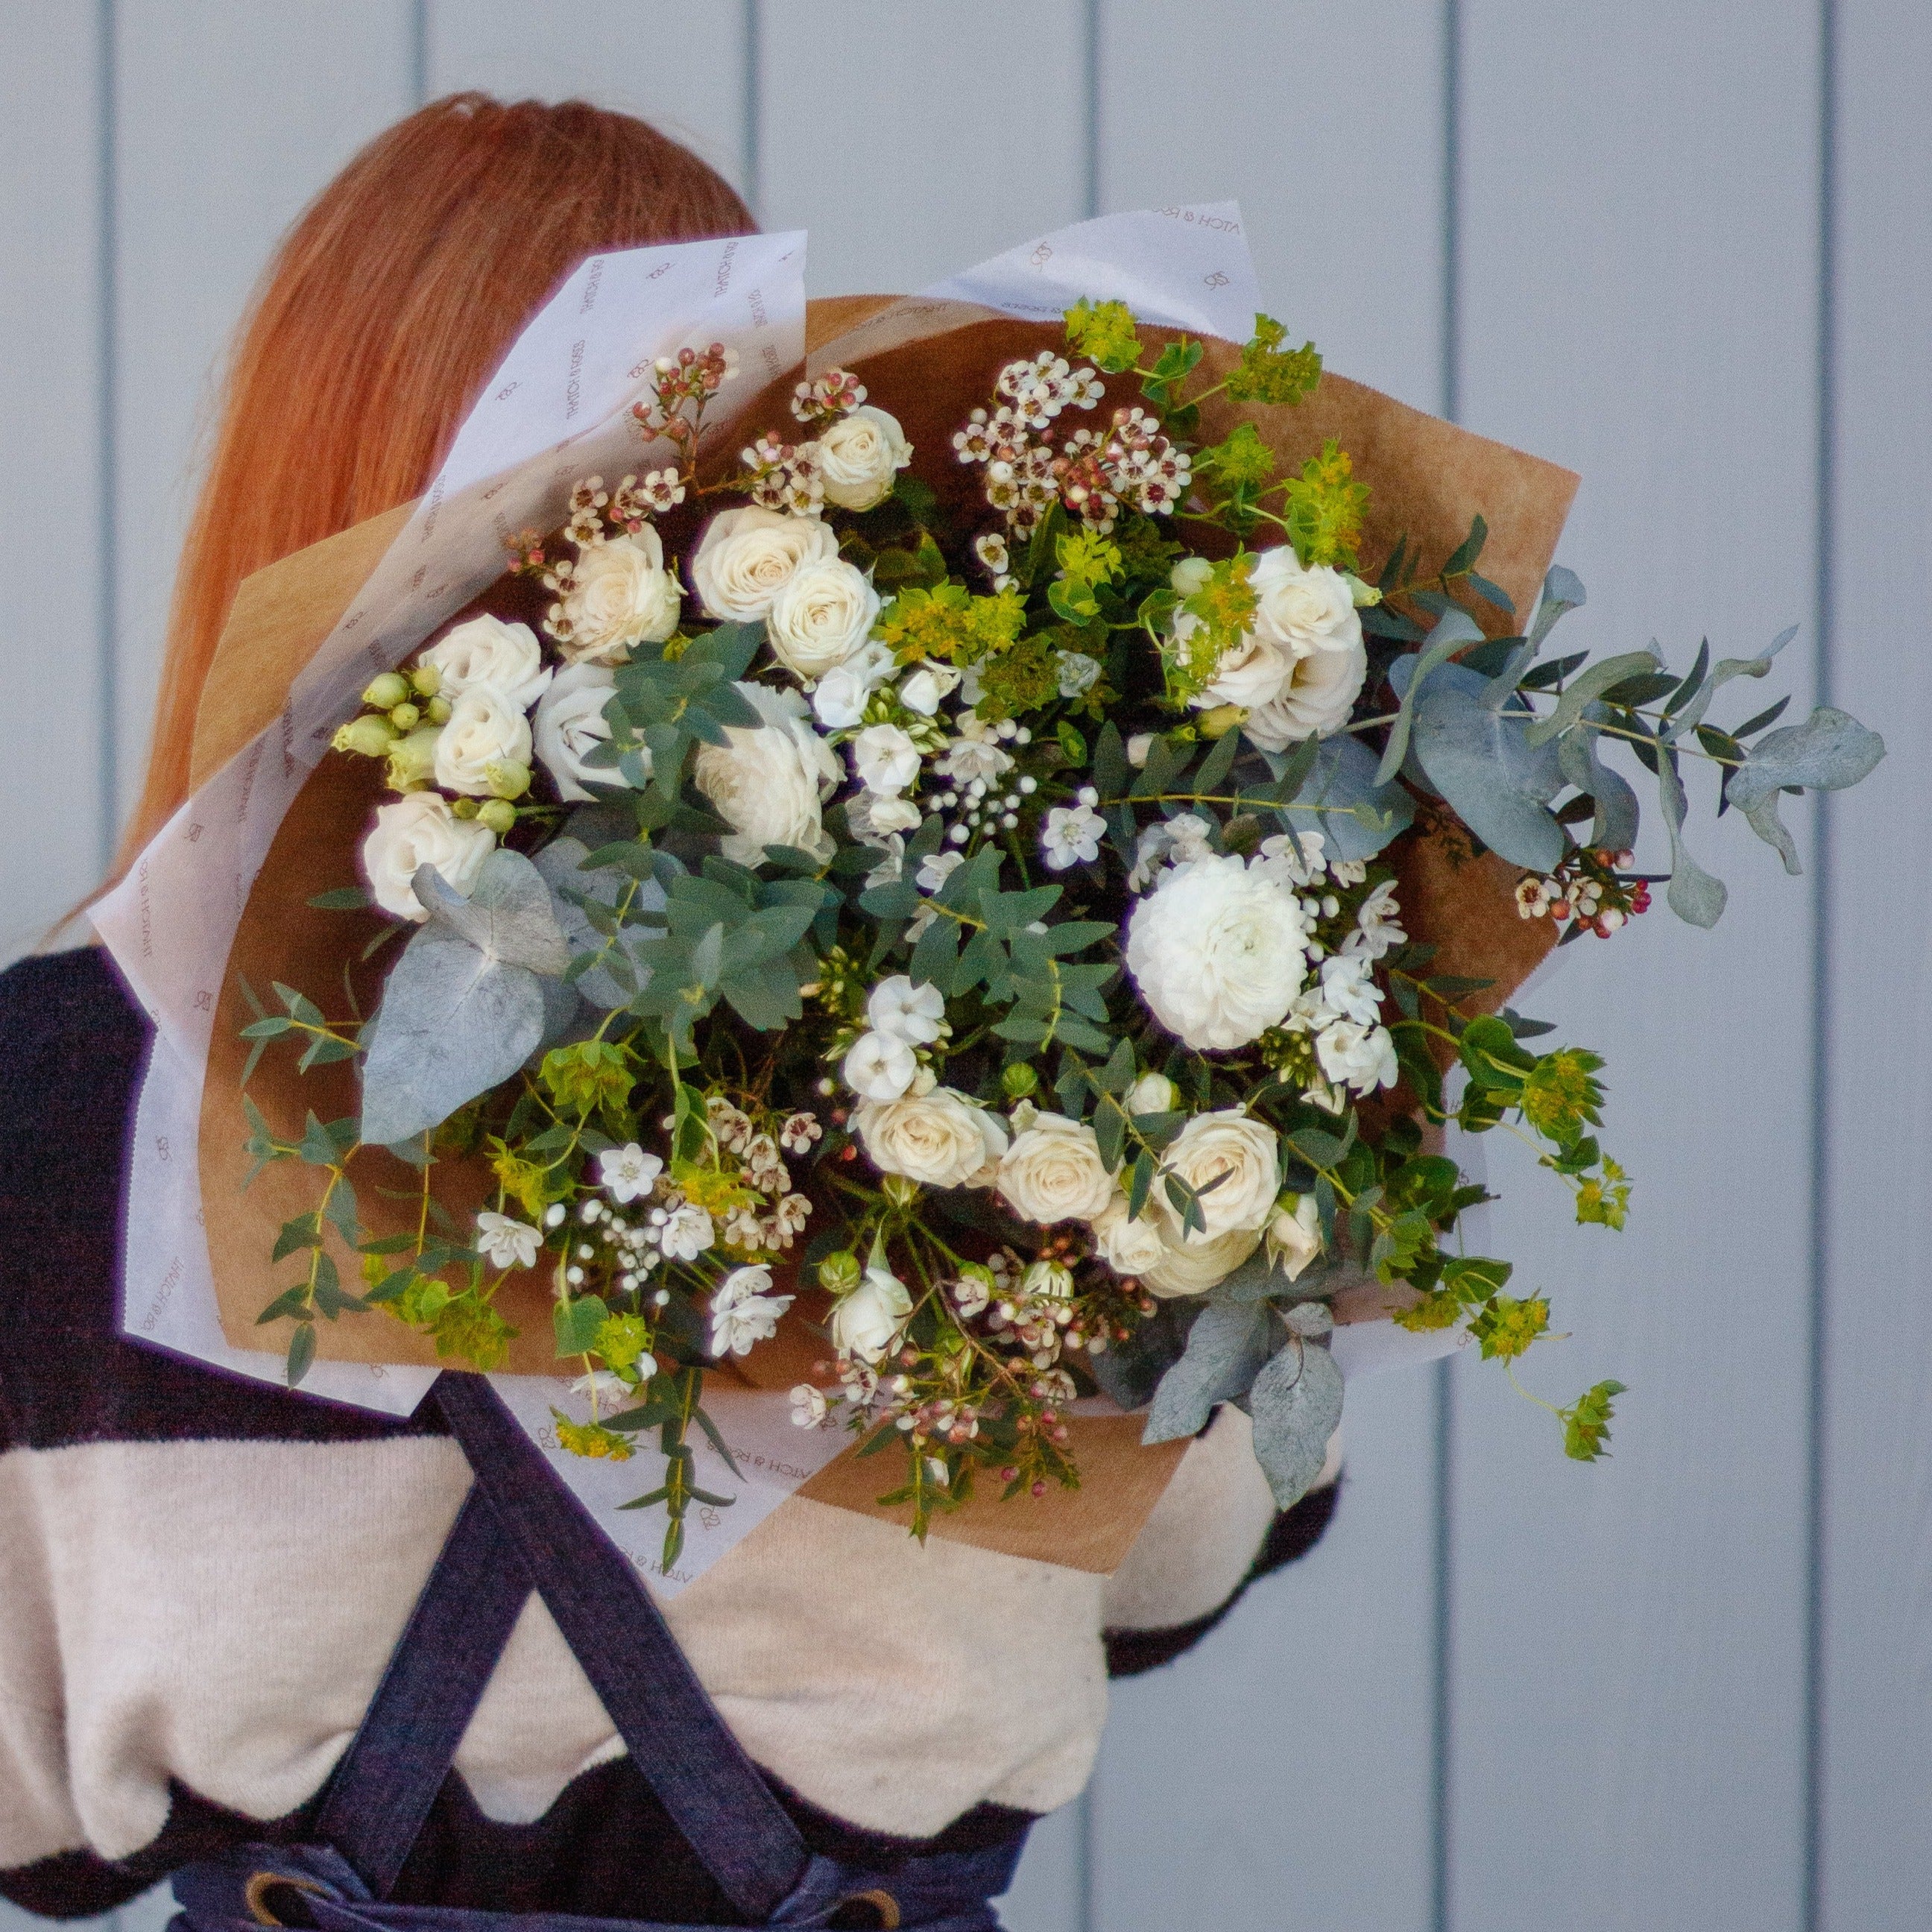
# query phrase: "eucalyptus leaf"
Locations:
[[1455, 630], [1296, 1403], [1483, 763], [559, 863], [1829, 751], [1579, 754], [1562, 592], [1227, 1344], [1693, 894], [507, 915], [1587, 687], [1341, 798]]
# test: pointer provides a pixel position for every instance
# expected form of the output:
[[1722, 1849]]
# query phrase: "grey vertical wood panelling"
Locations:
[[50, 481], [681, 66], [1633, 1736], [1627, 1702], [1875, 1862], [956, 132], [1281, 1777], [230, 116]]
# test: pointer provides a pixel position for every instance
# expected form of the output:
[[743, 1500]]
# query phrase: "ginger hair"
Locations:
[[386, 307]]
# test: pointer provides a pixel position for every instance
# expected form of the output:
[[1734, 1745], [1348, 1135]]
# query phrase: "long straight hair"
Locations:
[[384, 309]]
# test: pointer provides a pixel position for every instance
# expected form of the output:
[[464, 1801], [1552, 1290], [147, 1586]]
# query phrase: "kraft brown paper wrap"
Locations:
[[929, 363]]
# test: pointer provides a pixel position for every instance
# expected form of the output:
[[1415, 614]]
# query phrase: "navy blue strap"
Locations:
[[712, 1790], [387, 1780]]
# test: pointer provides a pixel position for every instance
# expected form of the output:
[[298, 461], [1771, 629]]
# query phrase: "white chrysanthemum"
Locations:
[[1216, 952], [1316, 701]]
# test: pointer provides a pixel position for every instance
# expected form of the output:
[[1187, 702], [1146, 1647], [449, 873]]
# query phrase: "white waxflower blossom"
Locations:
[[1233, 1162], [916, 1014], [1379, 927], [1354, 1055], [627, 1173], [868, 1320], [940, 1138], [809, 1408], [879, 1067], [569, 724], [505, 659], [768, 781], [507, 1243], [1071, 833], [821, 618], [421, 830], [840, 698], [1317, 699], [1078, 673], [744, 1311], [1216, 952], [798, 1131], [860, 454], [971, 1293], [1295, 1233], [746, 556], [885, 759], [1053, 1171], [687, 1232], [620, 594], [485, 731], [1306, 608], [928, 687]]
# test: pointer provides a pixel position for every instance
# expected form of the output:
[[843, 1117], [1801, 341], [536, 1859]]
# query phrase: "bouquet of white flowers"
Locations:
[[983, 892]]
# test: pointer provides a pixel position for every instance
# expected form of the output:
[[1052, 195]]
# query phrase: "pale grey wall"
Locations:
[[1680, 244]]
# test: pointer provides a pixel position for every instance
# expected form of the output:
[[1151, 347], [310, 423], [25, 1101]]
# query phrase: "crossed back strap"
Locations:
[[520, 1529]]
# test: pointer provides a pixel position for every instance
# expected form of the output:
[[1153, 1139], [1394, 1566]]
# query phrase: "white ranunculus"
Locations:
[[570, 725], [940, 1139], [840, 699], [768, 781], [1307, 609], [866, 1322], [421, 830], [1216, 951], [620, 594], [1354, 1055], [928, 687], [885, 759], [1128, 1246], [1295, 1235], [1233, 1162], [485, 729], [860, 455], [879, 1067], [821, 617], [1053, 1171], [912, 1012], [747, 556], [1252, 674], [1194, 1270], [1151, 1093], [506, 658], [1317, 698]]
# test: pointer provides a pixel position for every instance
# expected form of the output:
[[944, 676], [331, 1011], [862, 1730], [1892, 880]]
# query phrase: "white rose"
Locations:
[[1295, 1235], [768, 781], [1232, 1162], [879, 1067], [485, 729], [620, 594], [1307, 610], [421, 830], [1215, 952], [1357, 1056], [840, 699], [506, 658], [1252, 673], [928, 687], [867, 1322], [569, 724], [821, 617], [1318, 697], [1128, 1246], [940, 1139], [1053, 1171], [885, 759], [1194, 1270], [1151, 1093], [747, 556], [859, 455]]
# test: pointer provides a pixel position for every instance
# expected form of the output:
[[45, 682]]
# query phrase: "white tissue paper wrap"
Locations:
[[557, 410]]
